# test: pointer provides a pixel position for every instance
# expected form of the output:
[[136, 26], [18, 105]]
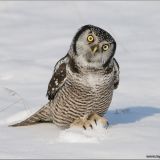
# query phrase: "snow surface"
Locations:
[[34, 35]]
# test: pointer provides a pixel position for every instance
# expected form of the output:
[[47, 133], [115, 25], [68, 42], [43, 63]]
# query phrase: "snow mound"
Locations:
[[79, 135]]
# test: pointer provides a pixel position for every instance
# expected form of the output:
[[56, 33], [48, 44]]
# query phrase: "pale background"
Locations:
[[35, 35]]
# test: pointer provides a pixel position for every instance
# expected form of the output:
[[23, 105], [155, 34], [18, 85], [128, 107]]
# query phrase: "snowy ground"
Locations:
[[34, 35]]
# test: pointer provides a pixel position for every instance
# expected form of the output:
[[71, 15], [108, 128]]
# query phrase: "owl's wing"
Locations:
[[116, 73], [58, 78]]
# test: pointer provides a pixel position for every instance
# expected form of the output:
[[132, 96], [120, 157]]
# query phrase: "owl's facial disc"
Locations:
[[93, 46]]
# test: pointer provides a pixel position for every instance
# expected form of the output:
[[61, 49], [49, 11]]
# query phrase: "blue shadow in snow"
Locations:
[[130, 114]]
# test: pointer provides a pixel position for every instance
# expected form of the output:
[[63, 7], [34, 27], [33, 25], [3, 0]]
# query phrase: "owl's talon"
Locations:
[[95, 121], [107, 125], [91, 126], [84, 127]]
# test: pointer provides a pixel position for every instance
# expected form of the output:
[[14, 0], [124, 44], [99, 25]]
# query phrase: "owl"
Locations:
[[81, 88]]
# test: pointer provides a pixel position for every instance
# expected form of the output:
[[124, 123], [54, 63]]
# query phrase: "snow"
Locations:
[[34, 35], [79, 135]]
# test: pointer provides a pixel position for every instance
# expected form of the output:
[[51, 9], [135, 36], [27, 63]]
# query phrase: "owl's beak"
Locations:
[[95, 48]]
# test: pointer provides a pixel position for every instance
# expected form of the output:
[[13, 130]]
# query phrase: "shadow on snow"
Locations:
[[130, 114]]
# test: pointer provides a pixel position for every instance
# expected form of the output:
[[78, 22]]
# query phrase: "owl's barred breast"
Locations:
[[82, 94]]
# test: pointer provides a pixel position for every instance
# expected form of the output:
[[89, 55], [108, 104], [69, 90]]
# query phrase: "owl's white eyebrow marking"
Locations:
[[90, 32]]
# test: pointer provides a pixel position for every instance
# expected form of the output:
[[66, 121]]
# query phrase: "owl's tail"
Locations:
[[42, 115]]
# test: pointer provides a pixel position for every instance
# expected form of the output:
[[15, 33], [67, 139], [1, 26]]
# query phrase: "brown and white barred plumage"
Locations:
[[75, 91], [79, 96]]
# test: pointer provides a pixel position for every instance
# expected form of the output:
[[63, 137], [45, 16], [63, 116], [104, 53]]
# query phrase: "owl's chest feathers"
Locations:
[[93, 80]]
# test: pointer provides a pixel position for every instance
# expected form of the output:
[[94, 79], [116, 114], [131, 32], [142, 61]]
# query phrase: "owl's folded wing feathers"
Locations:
[[116, 74], [58, 78]]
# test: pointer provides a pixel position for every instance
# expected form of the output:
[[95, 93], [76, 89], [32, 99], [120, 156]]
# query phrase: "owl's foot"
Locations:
[[98, 120], [82, 122], [90, 121]]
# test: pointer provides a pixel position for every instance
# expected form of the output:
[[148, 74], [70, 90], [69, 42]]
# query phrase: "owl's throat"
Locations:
[[89, 61], [98, 58]]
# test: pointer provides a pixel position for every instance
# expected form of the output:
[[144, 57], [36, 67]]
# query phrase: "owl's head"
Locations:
[[93, 47]]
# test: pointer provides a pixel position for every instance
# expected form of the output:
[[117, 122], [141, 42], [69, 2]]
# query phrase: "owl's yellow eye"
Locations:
[[90, 38], [105, 47]]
